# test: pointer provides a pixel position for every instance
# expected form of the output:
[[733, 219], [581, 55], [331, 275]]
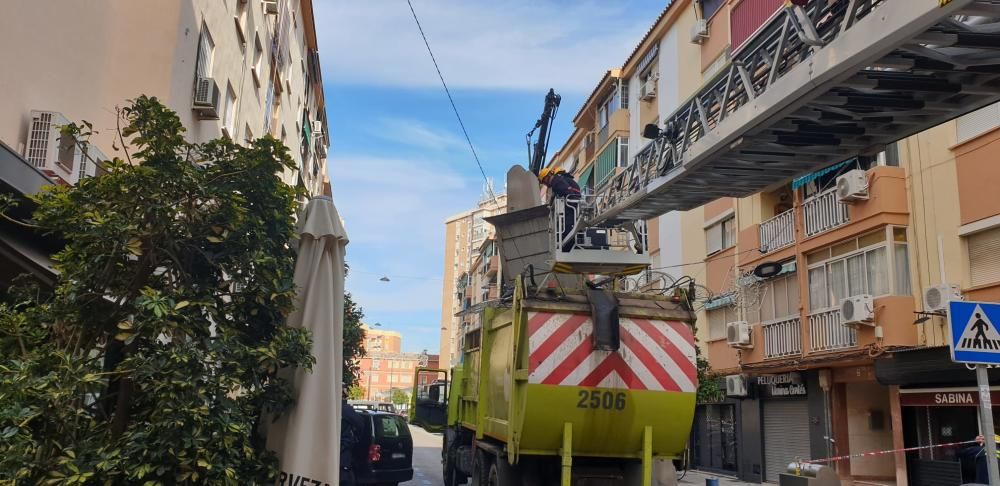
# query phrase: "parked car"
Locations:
[[372, 405], [385, 450]]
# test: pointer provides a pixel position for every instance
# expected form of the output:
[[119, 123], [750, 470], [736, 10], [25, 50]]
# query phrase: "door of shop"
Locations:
[[714, 441], [786, 435]]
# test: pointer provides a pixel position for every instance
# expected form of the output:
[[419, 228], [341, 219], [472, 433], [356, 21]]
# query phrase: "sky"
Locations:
[[399, 164]]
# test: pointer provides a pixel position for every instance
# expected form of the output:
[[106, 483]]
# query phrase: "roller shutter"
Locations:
[[786, 435]]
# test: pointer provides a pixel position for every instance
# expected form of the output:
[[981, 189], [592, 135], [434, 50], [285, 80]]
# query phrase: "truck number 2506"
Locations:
[[601, 400]]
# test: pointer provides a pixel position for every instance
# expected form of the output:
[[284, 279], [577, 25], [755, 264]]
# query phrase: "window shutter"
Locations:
[[713, 236], [984, 257], [978, 122]]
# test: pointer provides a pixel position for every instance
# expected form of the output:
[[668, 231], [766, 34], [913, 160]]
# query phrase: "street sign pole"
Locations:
[[986, 410]]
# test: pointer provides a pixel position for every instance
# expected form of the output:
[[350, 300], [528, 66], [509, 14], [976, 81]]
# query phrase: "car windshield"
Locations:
[[390, 426]]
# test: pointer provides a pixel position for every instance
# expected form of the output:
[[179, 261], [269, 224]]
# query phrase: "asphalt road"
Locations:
[[426, 458]]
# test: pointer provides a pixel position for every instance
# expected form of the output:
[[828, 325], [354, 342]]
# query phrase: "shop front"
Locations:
[[714, 438], [784, 401], [938, 402]]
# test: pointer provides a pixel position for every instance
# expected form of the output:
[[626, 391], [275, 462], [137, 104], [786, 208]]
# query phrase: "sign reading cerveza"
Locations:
[[781, 385], [289, 479]]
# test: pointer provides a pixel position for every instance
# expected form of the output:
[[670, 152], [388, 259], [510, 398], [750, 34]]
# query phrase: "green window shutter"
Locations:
[[585, 177], [606, 162]]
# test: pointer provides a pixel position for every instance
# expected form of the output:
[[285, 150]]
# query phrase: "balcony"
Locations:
[[827, 334], [777, 232], [782, 338], [823, 212]]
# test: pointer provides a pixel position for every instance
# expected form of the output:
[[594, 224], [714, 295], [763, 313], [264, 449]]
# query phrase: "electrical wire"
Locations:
[[489, 186]]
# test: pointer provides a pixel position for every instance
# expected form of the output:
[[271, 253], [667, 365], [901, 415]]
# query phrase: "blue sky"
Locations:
[[399, 164]]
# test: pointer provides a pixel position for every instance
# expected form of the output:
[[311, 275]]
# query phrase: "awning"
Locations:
[[28, 257], [801, 181]]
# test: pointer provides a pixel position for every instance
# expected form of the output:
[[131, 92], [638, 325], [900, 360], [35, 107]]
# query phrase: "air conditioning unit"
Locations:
[[738, 334], [858, 310], [317, 127], [936, 297], [648, 89], [47, 148], [852, 186], [270, 7], [206, 98], [736, 386], [699, 31]]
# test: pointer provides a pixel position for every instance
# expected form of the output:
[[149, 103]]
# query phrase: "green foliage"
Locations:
[[158, 352], [399, 397], [354, 338], [355, 392], [709, 389]]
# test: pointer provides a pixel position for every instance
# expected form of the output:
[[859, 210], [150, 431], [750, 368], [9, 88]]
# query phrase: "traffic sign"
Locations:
[[975, 337]]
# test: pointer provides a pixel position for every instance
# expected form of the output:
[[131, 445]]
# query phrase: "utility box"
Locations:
[[809, 475]]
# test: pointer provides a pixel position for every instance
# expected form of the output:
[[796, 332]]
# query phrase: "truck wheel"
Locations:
[[452, 477], [502, 474], [480, 467]]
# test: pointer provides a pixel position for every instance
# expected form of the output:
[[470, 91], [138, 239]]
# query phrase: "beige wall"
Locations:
[[863, 401], [83, 59]]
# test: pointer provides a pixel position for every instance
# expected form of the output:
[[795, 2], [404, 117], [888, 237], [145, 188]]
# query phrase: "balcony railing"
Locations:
[[777, 232], [827, 333], [823, 212], [782, 338]]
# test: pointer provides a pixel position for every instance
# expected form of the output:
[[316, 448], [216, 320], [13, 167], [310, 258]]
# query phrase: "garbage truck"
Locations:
[[566, 387]]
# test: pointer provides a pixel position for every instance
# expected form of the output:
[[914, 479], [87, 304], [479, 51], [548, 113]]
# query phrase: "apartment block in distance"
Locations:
[[385, 368], [465, 234], [234, 68]]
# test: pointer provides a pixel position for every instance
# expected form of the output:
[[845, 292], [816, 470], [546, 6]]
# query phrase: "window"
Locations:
[[258, 56], [717, 320], [721, 235], [602, 116], [974, 124], [860, 266], [229, 112], [623, 151], [206, 52], [984, 257], [779, 298], [623, 96], [376, 364], [710, 7]]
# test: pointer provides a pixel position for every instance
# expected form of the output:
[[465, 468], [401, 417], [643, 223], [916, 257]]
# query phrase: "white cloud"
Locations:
[[502, 44], [416, 134]]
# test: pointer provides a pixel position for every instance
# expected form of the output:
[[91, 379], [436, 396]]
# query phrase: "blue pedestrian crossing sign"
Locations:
[[975, 337]]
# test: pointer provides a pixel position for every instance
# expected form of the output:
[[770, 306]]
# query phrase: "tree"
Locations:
[[355, 392], [399, 397], [354, 337], [156, 356]]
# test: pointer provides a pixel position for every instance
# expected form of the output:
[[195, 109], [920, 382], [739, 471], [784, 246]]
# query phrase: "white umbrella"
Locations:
[[307, 439]]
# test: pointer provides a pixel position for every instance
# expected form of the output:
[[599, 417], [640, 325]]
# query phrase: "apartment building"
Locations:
[[386, 368], [895, 234], [235, 68], [465, 234]]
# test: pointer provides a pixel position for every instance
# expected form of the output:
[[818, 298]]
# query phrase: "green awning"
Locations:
[[585, 177], [801, 181]]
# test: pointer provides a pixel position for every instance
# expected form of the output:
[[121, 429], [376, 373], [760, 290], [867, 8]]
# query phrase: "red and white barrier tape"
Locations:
[[891, 451]]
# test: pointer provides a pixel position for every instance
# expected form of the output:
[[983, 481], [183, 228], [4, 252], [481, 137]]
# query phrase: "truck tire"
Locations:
[[452, 476], [502, 474], [481, 462]]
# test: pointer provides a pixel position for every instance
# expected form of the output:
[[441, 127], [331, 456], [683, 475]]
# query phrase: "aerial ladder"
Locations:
[[823, 81]]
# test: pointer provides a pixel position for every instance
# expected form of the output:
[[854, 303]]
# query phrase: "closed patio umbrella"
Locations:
[[307, 439]]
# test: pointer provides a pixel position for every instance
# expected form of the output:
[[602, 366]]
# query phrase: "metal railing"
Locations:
[[827, 333], [777, 232], [782, 338], [823, 212]]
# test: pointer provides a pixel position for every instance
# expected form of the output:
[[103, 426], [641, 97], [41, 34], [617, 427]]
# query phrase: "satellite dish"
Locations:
[[767, 270]]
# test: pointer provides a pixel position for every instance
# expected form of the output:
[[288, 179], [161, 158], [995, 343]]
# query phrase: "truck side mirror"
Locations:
[[650, 131]]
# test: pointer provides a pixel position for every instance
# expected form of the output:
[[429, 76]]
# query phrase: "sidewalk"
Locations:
[[698, 477]]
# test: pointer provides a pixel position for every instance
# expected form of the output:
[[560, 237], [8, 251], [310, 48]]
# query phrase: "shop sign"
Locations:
[[781, 385], [944, 398]]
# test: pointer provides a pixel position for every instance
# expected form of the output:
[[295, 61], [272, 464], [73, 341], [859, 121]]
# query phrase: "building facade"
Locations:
[[235, 68], [385, 368], [464, 235], [806, 375]]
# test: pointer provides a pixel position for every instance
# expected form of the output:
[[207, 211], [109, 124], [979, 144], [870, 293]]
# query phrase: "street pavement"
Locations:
[[426, 458]]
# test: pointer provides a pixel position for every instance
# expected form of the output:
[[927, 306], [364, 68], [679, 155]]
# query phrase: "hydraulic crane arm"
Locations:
[[543, 125]]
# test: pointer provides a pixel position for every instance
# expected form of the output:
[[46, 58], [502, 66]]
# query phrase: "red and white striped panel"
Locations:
[[654, 355]]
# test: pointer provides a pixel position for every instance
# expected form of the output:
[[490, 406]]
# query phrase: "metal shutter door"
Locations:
[[978, 122], [786, 435], [984, 257]]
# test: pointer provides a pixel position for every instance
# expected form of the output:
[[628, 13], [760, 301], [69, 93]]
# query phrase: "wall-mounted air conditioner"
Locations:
[[738, 334], [699, 31], [936, 297], [206, 98], [852, 186], [736, 386], [858, 310], [648, 89]]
